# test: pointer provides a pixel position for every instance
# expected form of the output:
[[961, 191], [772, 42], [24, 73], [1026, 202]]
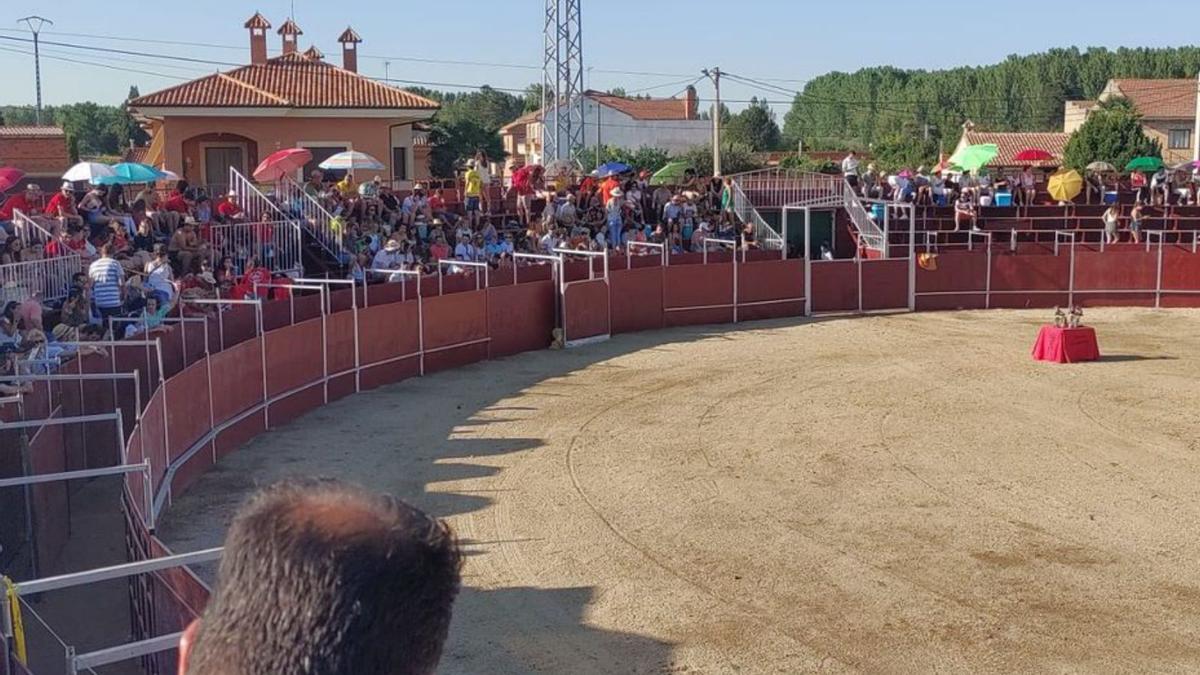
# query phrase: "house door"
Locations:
[[218, 159]]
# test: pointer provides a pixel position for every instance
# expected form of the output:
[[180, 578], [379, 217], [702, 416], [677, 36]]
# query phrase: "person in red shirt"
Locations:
[[228, 210], [607, 187], [525, 182], [27, 202], [62, 206], [57, 247]]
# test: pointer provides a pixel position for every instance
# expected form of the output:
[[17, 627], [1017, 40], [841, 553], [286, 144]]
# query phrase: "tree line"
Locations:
[[92, 129], [891, 106]]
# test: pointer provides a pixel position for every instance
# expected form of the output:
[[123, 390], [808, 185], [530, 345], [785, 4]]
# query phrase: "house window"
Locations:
[[399, 164], [321, 153], [1179, 139]]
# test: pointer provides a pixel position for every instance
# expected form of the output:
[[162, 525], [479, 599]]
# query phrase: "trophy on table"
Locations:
[[1060, 318], [1075, 319]]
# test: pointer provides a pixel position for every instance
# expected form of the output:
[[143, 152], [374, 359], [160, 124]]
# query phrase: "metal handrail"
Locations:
[[312, 214]]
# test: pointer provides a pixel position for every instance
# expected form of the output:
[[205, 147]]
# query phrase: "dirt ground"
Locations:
[[902, 493]]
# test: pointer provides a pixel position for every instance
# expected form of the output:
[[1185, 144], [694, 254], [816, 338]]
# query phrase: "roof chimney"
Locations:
[[691, 103], [314, 54], [258, 26], [289, 33], [349, 40]]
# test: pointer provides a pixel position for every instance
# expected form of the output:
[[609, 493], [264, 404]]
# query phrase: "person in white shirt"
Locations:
[[1028, 186], [464, 250], [159, 275], [850, 170], [389, 257]]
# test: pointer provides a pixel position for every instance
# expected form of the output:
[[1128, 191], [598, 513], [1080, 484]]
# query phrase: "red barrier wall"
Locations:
[[451, 323], [885, 284], [50, 503], [963, 273], [770, 289]]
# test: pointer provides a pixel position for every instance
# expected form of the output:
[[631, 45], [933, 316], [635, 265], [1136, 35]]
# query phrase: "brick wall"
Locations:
[[36, 156]]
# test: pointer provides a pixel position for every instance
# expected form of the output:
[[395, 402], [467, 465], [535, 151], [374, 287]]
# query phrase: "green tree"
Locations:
[[754, 127], [735, 158], [533, 97], [1112, 133], [73, 148], [648, 158], [452, 142]]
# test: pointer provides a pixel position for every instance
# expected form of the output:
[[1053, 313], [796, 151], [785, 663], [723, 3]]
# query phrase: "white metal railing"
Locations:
[[29, 231], [276, 244], [50, 278], [777, 187], [764, 234], [311, 214], [644, 248], [869, 232], [253, 202]]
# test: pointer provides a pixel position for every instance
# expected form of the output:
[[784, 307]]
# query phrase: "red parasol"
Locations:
[[10, 177], [281, 163], [1032, 155]]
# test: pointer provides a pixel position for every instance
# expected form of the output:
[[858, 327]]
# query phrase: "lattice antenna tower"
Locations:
[[562, 81]]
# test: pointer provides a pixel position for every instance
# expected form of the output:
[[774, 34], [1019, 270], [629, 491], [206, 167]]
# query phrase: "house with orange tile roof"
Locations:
[[1011, 143], [671, 124], [1168, 109], [201, 128]]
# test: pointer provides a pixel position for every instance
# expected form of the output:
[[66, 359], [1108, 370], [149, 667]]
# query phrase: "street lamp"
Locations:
[[35, 24]]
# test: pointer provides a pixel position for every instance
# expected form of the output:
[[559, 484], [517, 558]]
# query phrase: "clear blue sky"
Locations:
[[790, 39]]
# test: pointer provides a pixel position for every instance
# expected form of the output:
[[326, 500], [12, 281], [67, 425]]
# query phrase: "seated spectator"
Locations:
[[229, 211], [346, 186], [315, 185], [94, 209], [77, 308], [160, 278], [501, 249], [964, 211], [62, 206], [439, 249], [151, 317], [1026, 187], [375, 597], [464, 250], [28, 202], [390, 257], [14, 252], [1138, 183]]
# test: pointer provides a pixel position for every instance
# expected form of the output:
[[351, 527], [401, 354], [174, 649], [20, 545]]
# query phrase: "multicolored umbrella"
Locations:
[[88, 171], [974, 157], [1144, 164], [674, 173], [1065, 185], [1101, 167], [10, 177], [130, 172], [281, 163], [352, 160], [1033, 155]]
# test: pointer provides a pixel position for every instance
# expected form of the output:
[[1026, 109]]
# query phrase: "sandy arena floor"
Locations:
[[905, 493]]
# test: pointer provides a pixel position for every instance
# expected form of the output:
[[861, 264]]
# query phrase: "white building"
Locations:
[[671, 124]]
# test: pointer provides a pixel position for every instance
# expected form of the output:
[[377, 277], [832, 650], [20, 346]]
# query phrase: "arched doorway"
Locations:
[[208, 157]]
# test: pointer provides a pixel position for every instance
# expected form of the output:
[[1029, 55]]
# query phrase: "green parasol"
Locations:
[[671, 174], [1144, 164], [974, 157]]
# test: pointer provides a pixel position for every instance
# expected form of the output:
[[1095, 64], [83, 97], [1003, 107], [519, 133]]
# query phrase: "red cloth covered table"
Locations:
[[1066, 345]]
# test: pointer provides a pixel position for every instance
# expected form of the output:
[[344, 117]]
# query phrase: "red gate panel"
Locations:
[[958, 282], [455, 329], [698, 294], [586, 310], [834, 286], [520, 317], [637, 299], [885, 284], [770, 289]]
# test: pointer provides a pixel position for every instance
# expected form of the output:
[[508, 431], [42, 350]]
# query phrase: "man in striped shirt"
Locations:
[[108, 283]]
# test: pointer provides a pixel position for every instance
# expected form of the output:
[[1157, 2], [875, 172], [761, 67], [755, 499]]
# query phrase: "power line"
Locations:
[[97, 65], [109, 50]]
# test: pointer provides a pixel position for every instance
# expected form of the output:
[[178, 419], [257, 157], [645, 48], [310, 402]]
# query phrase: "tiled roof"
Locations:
[[643, 108], [137, 155], [527, 118], [287, 81], [349, 35], [289, 27], [314, 53], [31, 132], [257, 21], [1011, 143], [1160, 99]]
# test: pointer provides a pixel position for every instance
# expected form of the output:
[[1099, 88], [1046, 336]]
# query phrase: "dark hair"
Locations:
[[319, 576], [160, 250], [106, 249]]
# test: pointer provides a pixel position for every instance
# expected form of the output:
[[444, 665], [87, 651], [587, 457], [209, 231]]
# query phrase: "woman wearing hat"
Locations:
[[613, 208]]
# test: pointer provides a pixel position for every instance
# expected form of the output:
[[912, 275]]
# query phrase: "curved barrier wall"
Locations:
[[223, 381]]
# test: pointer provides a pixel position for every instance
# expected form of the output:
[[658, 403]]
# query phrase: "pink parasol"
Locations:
[[281, 163], [10, 177]]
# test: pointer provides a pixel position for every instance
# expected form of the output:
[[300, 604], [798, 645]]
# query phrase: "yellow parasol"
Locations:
[[1065, 185]]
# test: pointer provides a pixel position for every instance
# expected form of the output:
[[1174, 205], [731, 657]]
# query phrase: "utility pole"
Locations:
[[35, 24], [1196, 131], [387, 69], [715, 76]]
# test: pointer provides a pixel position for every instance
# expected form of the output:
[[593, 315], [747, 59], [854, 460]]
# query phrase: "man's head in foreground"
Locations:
[[321, 577]]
